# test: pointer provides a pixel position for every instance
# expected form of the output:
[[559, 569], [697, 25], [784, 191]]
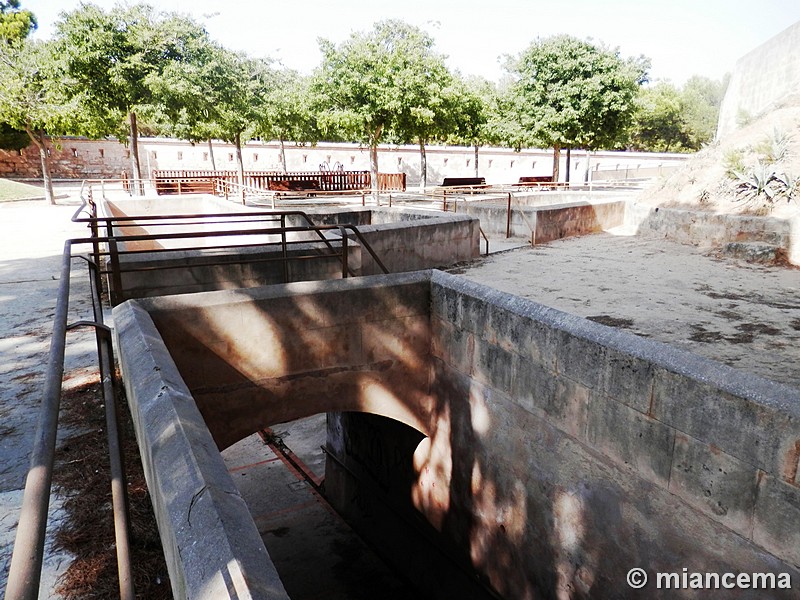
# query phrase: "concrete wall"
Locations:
[[212, 547], [709, 229], [762, 79], [77, 158], [404, 240], [558, 453], [577, 452], [547, 223]]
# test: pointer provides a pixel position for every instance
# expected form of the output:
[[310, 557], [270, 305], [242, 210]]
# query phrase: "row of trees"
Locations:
[[112, 73]]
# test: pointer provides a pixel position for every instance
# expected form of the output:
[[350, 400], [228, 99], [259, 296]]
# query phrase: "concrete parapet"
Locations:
[[549, 222], [707, 229], [212, 547]]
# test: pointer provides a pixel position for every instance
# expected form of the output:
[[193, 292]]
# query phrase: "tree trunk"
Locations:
[[41, 143], [239, 163], [569, 156], [211, 154], [283, 156], [476, 160], [136, 169], [423, 164], [556, 161], [373, 163]]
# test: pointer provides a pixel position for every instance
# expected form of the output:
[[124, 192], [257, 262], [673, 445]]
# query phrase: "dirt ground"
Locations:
[[744, 315]]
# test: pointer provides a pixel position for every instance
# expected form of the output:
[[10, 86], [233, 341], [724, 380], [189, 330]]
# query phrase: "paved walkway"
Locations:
[[32, 238]]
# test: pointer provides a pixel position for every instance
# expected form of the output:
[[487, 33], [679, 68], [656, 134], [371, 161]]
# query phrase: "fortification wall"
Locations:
[[762, 79], [78, 158]]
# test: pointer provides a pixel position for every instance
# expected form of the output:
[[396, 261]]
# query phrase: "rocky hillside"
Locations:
[[755, 170]]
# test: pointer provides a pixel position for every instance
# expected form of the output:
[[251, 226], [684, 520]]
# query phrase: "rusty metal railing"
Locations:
[[24, 576], [107, 231]]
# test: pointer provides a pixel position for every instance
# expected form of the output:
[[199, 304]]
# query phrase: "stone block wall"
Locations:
[[580, 452], [71, 158], [557, 453]]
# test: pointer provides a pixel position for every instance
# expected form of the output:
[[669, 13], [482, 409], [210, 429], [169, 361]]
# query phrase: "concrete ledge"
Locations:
[[212, 547], [706, 229]]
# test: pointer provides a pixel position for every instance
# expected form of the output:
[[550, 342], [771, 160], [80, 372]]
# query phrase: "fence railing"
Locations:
[[196, 181]]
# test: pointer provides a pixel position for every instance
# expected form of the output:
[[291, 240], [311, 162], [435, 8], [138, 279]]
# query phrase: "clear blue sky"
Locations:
[[681, 37]]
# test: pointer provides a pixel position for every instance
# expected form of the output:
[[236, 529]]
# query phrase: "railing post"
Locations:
[[508, 217], [284, 249], [344, 252], [117, 296]]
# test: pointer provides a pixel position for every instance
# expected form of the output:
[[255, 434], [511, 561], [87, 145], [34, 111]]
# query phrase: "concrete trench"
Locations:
[[548, 453]]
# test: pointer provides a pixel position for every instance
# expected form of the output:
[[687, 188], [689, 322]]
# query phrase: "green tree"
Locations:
[[286, 112], [113, 60], [474, 107], [701, 99], [669, 119], [248, 82], [31, 98], [570, 93], [659, 125], [15, 23], [377, 83], [191, 92]]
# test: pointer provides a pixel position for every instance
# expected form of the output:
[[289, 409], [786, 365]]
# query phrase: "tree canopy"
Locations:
[[575, 94], [31, 97], [669, 119], [387, 80], [113, 61], [15, 23]]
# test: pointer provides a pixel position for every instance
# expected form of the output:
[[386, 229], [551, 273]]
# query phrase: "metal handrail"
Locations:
[[24, 577]]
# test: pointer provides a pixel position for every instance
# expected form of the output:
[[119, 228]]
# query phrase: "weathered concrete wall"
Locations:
[[212, 547], [709, 229], [559, 453], [254, 358], [762, 79], [547, 223], [568, 453], [419, 241], [404, 240]]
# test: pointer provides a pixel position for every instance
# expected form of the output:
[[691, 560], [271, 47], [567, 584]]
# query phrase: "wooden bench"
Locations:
[[538, 182], [463, 181], [179, 185], [293, 186]]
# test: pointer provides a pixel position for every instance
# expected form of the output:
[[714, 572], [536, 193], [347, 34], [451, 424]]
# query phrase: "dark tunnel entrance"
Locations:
[[331, 498]]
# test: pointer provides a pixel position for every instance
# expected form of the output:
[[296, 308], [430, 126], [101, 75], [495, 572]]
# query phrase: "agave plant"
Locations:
[[759, 183], [774, 148]]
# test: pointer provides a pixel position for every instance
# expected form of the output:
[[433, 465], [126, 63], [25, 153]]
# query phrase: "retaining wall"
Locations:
[[707, 229], [404, 240], [559, 453], [550, 222]]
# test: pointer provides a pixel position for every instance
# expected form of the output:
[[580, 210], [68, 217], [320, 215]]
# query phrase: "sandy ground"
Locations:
[[744, 315], [32, 237]]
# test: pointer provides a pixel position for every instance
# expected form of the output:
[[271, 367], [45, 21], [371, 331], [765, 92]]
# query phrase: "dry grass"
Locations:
[[82, 476]]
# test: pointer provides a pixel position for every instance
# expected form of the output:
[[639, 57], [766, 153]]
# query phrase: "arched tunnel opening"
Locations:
[[331, 496]]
